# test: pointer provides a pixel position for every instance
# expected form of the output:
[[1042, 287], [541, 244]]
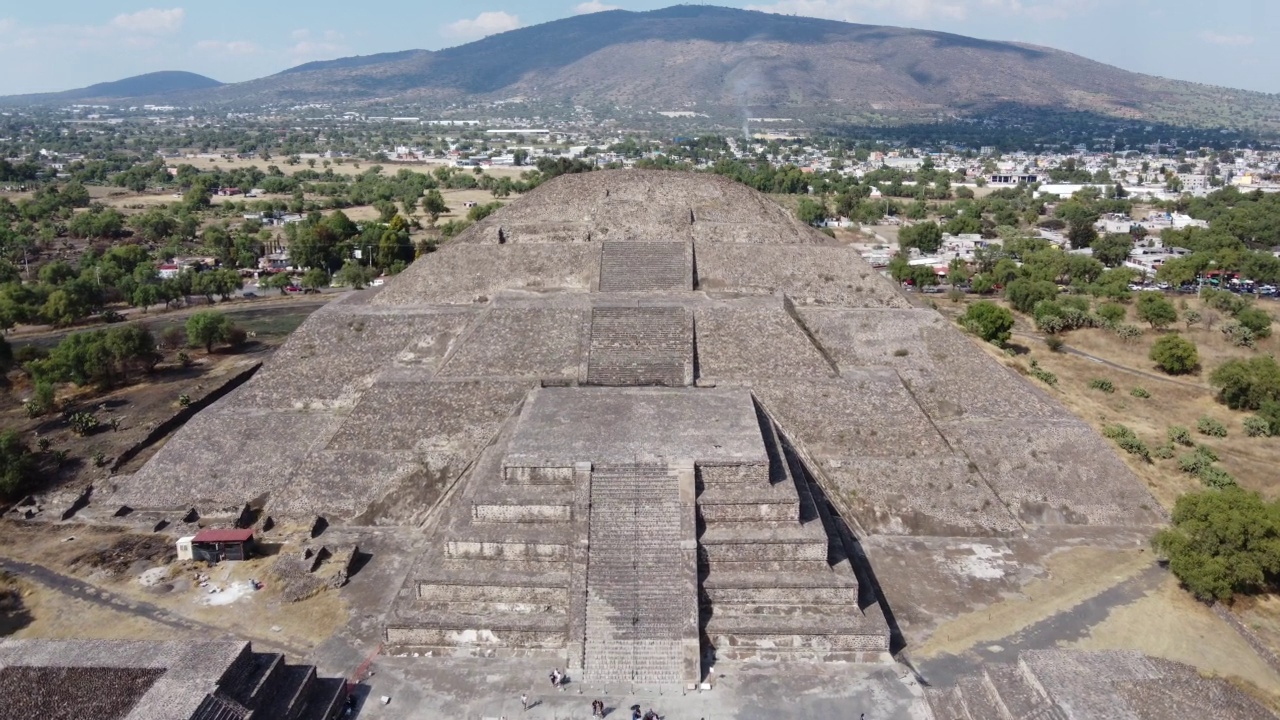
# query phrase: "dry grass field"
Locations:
[[1180, 400]]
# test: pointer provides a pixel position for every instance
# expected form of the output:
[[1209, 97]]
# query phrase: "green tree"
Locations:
[[1153, 308], [18, 469], [1112, 250], [810, 211], [1023, 294], [1256, 319], [354, 275], [433, 205], [314, 279], [208, 328], [279, 281], [988, 321], [1175, 355], [1223, 543], [1246, 384], [925, 236]]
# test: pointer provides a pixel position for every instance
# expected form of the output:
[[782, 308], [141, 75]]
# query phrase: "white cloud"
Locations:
[[152, 21], [879, 10], [227, 47], [482, 25], [593, 6], [1215, 38]]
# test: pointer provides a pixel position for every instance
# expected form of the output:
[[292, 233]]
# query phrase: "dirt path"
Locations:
[[1103, 361]]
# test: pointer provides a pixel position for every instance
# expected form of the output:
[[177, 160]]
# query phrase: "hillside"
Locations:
[[729, 61], [150, 85]]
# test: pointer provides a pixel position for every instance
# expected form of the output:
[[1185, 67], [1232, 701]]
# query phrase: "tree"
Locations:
[[988, 321], [926, 236], [18, 468], [1223, 542], [520, 156], [1175, 355], [208, 328], [1245, 384], [1153, 308], [355, 275], [279, 281], [1256, 319], [1112, 250], [433, 205], [314, 279], [1024, 294], [810, 211]]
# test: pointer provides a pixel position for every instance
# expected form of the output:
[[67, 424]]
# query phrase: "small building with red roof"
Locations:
[[217, 544]]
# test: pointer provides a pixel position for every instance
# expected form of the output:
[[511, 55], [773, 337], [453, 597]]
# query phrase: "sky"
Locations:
[[64, 44]]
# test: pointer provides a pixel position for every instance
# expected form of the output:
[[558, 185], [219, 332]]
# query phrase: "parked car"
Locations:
[[292, 289], [250, 295]]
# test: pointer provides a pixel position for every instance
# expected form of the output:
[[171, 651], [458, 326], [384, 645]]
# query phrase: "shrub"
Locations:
[[1043, 375], [1128, 333], [1222, 300], [1193, 463], [184, 400], [1258, 321], [988, 321], [83, 423], [1140, 393], [1128, 441], [1239, 335], [1270, 412], [1217, 478], [1247, 384], [18, 468], [1102, 384], [1255, 426], [1054, 343], [1180, 436], [1175, 355], [1212, 428], [1164, 452], [1112, 313], [1191, 317], [901, 352]]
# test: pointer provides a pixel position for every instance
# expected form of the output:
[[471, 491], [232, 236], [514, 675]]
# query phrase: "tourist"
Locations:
[[597, 708], [524, 701]]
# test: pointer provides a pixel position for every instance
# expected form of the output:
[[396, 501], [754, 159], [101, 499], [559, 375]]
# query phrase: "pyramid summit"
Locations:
[[644, 421]]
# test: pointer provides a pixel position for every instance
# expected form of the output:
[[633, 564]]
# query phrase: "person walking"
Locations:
[[524, 701]]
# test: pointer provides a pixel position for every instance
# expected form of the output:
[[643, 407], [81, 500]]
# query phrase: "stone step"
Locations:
[[454, 630], [1014, 691], [525, 503], [946, 704], [285, 700], [645, 267], [511, 541], [325, 699], [475, 599], [749, 502], [727, 588], [515, 475], [978, 699], [762, 542], [851, 632]]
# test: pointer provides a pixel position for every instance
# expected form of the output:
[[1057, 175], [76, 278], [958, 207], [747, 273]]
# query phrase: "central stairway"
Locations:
[[641, 613]]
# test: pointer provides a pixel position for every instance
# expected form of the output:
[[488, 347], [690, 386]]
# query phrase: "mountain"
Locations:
[[151, 85], [729, 62]]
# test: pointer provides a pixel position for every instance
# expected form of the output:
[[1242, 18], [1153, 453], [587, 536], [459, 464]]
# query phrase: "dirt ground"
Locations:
[[1170, 624], [1073, 575], [143, 569]]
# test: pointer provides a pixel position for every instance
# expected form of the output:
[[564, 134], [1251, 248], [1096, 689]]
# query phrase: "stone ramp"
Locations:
[[641, 610], [646, 267], [641, 346]]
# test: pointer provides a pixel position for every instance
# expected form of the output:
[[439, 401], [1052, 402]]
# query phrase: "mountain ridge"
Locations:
[[728, 61]]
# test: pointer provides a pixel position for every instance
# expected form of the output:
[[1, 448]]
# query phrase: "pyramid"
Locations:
[[644, 420]]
